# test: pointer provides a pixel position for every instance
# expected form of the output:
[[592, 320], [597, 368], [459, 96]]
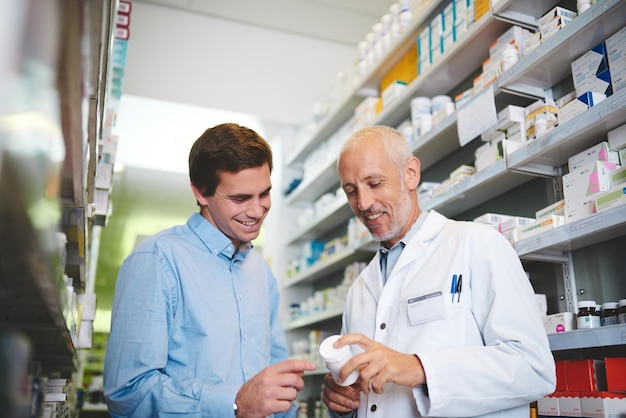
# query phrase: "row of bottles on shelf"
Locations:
[[591, 75], [313, 251], [328, 299]]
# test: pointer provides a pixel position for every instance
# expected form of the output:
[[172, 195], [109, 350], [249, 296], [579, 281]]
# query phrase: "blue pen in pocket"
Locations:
[[453, 287]]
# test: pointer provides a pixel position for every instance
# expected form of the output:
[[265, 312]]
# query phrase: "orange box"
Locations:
[[481, 7], [615, 373], [404, 70]]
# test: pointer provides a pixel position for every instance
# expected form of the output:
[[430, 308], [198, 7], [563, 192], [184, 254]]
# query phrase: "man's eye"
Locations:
[[350, 192], [376, 184]]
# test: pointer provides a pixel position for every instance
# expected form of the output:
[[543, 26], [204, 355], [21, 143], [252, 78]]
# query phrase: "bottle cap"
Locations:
[[587, 304]]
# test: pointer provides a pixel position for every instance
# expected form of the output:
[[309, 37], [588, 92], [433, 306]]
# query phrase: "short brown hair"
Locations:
[[227, 147]]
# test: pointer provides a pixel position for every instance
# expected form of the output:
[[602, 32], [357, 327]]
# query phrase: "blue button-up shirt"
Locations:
[[193, 319]]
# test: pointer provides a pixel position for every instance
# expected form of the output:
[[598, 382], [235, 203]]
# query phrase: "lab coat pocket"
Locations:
[[426, 308]]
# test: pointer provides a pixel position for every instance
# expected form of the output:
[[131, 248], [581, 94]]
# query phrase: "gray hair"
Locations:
[[396, 145]]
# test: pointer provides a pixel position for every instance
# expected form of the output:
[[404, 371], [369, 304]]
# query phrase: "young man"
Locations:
[[444, 317], [195, 328]]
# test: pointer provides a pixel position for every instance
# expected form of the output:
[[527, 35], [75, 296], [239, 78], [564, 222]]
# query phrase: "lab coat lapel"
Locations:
[[372, 277], [416, 248], [411, 254]]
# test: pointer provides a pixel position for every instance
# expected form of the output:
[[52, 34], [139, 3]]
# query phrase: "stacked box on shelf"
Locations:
[[616, 53], [590, 72], [553, 21], [449, 34], [515, 37], [424, 56], [578, 105], [589, 174], [544, 110], [405, 70], [365, 112], [436, 37], [481, 7]]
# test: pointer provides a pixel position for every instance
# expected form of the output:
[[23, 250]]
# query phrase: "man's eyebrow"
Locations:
[[247, 195]]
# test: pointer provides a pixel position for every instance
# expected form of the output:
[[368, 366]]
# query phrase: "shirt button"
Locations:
[[383, 326], [373, 408]]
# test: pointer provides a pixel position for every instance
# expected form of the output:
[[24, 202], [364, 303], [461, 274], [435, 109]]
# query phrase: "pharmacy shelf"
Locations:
[[542, 156], [44, 190], [336, 214], [31, 273], [369, 82], [315, 319], [554, 148], [315, 184], [476, 189], [551, 61], [532, 77], [599, 227], [612, 335], [441, 141], [452, 68], [537, 70], [525, 13], [330, 265]]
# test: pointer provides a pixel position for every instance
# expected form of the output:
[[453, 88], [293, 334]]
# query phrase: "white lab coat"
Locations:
[[485, 354]]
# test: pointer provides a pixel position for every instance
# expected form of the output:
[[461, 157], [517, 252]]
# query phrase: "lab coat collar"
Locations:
[[416, 246]]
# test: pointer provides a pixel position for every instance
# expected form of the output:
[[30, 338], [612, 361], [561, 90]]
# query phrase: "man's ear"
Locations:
[[412, 173], [199, 195]]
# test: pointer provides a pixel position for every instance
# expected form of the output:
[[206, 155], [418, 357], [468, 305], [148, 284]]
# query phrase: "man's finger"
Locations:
[[294, 366]]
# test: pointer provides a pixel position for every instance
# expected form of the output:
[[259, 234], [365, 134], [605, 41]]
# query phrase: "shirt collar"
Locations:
[[406, 238], [214, 239]]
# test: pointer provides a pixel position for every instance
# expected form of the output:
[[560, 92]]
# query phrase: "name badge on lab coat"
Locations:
[[426, 308]]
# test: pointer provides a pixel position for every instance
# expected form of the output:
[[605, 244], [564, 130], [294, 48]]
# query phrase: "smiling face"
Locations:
[[240, 203], [381, 194]]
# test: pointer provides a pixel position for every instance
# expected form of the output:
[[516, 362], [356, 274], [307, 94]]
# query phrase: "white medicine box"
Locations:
[[580, 104], [582, 186], [616, 51], [591, 72], [587, 179], [598, 152], [617, 138]]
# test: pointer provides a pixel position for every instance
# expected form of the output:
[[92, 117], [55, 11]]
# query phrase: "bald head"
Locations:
[[384, 139]]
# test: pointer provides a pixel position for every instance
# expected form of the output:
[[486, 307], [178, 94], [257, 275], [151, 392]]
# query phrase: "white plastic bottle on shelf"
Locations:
[[510, 57], [371, 55], [386, 38], [405, 16], [394, 28], [377, 30], [421, 115], [362, 65], [338, 90], [582, 5], [541, 125], [439, 101]]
